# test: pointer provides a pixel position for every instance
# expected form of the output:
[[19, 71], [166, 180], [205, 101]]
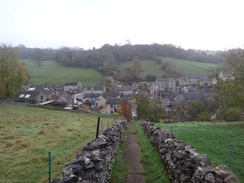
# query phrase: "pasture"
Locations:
[[52, 73], [149, 67], [27, 134], [216, 139]]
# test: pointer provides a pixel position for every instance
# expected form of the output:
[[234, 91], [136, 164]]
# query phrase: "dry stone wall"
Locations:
[[184, 164], [94, 164]]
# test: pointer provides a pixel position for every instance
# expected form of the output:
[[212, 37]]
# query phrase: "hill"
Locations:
[[149, 67], [52, 73]]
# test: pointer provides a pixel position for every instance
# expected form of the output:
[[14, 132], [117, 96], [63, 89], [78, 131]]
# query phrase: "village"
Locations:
[[174, 94]]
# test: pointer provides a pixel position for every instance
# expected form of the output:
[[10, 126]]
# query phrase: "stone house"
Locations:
[[72, 86], [101, 89], [189, 80], [125, 90], [91, 98], [33, 96], [76, 95], [62, 99], [153, 87], [113, 105], [179, 101], [100, 101], [166, 84], [205, 81]]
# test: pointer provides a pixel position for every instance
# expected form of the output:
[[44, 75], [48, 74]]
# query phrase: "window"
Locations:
[[21, 95], [27, 95]]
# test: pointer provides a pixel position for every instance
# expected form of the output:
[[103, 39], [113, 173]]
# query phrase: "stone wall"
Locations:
[[94, 164], [184, 164]]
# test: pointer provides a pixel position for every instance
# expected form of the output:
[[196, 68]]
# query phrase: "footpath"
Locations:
[[133, 157]]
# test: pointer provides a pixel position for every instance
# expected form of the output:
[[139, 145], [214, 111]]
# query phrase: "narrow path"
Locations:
[[133, 157]]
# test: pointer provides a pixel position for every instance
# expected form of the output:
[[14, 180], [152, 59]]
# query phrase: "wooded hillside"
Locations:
[[107, 58]]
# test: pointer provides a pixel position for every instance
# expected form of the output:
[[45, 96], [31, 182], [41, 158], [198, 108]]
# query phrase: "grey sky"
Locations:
[[197, 24]]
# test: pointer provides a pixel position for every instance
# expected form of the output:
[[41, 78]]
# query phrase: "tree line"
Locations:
[[107, 58]]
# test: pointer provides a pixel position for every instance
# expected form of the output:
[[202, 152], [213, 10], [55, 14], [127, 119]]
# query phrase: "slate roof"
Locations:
[[71, 83], [183, 79], [115, 100], [191, 89], [29, 94], [204, 78], [193, 75], [73, 92], [164, 80], [112, 94], [125, 88], [98, 87], [92, 95], [193, 96]]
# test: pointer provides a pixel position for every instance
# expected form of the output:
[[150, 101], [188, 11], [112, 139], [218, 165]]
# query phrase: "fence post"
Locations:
[[230, 159], [49, 167], [98, 124], [192, 141]]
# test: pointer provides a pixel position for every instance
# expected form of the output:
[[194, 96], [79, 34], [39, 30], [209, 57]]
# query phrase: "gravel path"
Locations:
[[133, 157]]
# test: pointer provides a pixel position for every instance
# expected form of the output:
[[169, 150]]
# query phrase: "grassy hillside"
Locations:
[[27, 134], [216, 140], [183, 66], [52, 73]]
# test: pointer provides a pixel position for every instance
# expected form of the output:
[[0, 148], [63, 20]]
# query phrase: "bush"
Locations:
[[233, 114]]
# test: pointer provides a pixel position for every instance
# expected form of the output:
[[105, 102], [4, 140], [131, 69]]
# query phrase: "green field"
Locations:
[[215, 139], [52, 73], [149, 67], [27, 134]]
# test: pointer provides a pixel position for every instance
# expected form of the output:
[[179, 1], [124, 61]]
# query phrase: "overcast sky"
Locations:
[[196, 24]]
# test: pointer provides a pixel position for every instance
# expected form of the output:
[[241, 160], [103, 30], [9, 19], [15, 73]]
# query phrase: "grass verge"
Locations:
[[151, 160], [216, 139], [120, 169]]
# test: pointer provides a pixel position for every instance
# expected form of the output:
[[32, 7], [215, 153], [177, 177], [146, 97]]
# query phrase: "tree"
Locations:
[[125, 110], [109, 64], [197, 111], [12, 75], [231, 89], [149, 108], [156, 110], [38, 55], [131, 74]]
